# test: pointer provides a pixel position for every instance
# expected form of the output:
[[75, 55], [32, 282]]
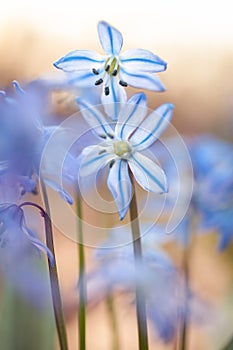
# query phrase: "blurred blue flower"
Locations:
[[115, 272], [134, 67], [213, 192], [121, 148], [19, 263], [212, 198], [23, 137], [12, 229]]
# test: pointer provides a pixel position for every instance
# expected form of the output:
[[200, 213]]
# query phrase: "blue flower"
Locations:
[[114, 70], [121, 148], [23, 137], [19, 263], [213, 195], [156, 275], [13, 231], [115, 272]]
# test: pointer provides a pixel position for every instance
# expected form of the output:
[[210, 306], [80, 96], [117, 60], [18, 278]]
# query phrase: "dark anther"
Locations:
[[111, 163], [114, 73], [106, 91], [103, 136], [95, 71], [123, 83], [99, 81], [102, 151], [110, 135], [107, 68]]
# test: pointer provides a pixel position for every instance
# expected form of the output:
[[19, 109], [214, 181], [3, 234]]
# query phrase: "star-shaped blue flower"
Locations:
[[121, 148], [114, 70]]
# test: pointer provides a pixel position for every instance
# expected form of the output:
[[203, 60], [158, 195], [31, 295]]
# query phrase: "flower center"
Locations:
[[111, 69], [122, 148]]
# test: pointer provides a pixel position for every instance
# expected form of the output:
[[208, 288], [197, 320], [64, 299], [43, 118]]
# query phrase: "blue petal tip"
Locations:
[[56, 64]]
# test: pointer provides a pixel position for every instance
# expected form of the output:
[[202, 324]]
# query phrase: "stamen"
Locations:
[[123, 83], [111, 163], [95, 71], [99, 81], [106, 90], [114, 73], [107, 68], [103, 136], [102, 151], [110, 135]]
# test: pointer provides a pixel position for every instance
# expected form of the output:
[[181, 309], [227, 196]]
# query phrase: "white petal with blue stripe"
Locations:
[[93, 159], [139, 59], [147, 173], [131, 115], [120, 186], [80, 60], [145, 80], [110, 38], [152, 127], [95, 119], [112, 102]]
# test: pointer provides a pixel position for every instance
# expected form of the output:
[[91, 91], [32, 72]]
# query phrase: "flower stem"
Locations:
[[140, 297], [82, 283], [53, 275], [113, 322], [184, 326], [229, 345]]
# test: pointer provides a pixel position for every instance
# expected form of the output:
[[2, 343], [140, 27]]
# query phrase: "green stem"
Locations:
[[53, 275], [113, 322], [184, 326], [229, 345], [140, 297], [82, 283]]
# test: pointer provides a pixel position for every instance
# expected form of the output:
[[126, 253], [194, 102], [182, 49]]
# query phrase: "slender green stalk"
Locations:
[[184, 326], [229, 345], [140, 297], [82, 283], [113, 323], [22, 325], [53, 275]]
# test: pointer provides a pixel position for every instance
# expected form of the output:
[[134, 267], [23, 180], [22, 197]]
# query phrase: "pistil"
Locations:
[[111, 69]]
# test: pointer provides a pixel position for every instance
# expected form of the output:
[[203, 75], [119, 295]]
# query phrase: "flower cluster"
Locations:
[[121, 144], [123, 140]]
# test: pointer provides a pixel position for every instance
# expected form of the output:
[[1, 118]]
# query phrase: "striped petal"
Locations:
[[152, 127], [38, 244], [131, 115], [59, 189], [18, 88], [82, 79], [80, 60], [113, 101], [139, 59], [147, 173], [120, 186], [110, 38], [93, 158], [95, 119], [142, 80]]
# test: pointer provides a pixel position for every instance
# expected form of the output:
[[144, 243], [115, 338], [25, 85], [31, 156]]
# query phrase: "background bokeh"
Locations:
[[194, 37]]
